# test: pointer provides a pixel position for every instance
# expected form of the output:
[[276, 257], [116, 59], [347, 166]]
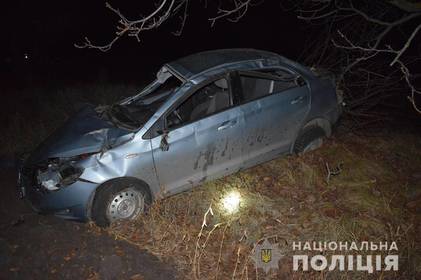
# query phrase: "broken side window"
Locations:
[[134, 112], [209, 99], [161, 91], [260, 84]]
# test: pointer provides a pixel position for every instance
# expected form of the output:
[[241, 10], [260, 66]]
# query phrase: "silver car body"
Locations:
[[241, 136]]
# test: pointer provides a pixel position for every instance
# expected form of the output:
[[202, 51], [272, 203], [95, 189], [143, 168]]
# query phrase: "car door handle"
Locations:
[[299, 99], [227, 124]]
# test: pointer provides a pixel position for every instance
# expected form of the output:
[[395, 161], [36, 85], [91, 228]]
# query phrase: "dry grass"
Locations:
[[372, 199]]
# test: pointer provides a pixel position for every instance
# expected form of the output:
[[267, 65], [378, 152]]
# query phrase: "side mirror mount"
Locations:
[[164, 146]]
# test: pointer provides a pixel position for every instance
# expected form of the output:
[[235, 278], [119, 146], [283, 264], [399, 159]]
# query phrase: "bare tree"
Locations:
[[360, 40], [164, 10], [365, 39]]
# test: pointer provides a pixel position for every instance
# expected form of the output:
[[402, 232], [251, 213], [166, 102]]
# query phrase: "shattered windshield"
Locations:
[[135, 111]]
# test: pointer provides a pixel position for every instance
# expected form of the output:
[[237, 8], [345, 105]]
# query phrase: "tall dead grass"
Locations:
[[289, 200]]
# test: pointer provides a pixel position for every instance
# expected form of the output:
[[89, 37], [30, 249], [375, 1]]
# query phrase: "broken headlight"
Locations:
[[56, 175]]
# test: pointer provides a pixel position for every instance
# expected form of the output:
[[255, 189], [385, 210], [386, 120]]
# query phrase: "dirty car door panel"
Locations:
[[273, 110], [205, 145]]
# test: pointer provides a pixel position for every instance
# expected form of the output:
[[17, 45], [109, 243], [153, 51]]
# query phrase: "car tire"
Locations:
[[310, 139], [120, 199]]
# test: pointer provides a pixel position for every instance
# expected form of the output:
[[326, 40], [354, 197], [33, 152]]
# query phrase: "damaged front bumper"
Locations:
[[71, 202]]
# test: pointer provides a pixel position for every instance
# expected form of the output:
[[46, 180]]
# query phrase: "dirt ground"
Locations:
[[33, 246]]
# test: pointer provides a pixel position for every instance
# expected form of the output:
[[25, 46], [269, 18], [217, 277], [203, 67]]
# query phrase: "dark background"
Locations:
[[42, 72], [39, 36]]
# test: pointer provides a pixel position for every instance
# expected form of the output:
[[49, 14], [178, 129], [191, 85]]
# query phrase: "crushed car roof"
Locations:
[[196, 63]]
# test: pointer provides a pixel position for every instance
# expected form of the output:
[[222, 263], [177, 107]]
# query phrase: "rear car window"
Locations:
[[267, 83]]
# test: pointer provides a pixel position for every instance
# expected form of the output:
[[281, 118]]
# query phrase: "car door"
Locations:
[[274, 104], [204, 133]]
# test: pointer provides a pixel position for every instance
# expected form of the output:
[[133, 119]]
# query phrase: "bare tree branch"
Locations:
[[164, 10], [370, 45], [133, 28], [407, 6], [357, 38], [240, 9], [183, 17], [405, 47]]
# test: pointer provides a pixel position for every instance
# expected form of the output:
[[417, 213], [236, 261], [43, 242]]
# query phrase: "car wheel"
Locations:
[[120, 199], [310, 139]]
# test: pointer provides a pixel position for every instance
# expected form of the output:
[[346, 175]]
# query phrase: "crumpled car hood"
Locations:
[[83, 133]]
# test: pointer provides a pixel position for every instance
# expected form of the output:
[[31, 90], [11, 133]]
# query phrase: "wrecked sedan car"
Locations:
[[205, 116]]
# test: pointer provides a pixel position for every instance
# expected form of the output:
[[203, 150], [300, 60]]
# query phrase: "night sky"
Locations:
[[47, 30]]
